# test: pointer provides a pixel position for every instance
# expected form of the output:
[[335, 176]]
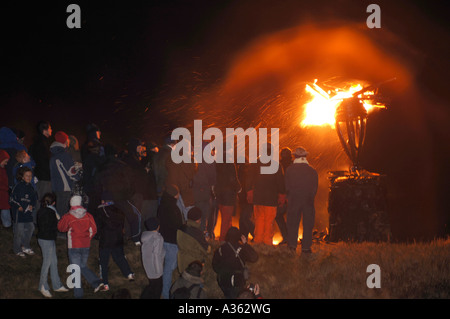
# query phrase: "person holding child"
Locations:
[[47, 223], [22, 200]]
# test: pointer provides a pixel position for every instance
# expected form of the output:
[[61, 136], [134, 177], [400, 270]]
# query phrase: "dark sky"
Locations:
[[131, 59]]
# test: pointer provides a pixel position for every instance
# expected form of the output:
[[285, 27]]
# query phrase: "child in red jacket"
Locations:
[[81, 228]]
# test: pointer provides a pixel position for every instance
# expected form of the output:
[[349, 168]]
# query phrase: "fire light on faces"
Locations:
[[321, 109]]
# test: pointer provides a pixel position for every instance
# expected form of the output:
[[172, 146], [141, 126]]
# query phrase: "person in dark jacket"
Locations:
[[144, 197], [116, 178], [246, 225], [204, 181], [110, 231], [229, 263], [47, 223], [171, 220], [40, 153], [286, 159], [226, 189], [266, 192], [301, 186], [23, 200], [92, 155], [160, 162]]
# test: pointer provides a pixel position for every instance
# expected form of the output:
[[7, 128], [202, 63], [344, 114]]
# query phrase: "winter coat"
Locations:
[[110, 222], [193, 285], [40, 152], [204, 180], [301, 181], [160, 161], [9, 143], [80, 227], [47, 223], [152, 254], [191, 245], [115, 178], [266, 187], [22, 195], [62, 169], [92, 155], [227, 184], [230, 259], [141, 179], [182, 175], [170, 218]]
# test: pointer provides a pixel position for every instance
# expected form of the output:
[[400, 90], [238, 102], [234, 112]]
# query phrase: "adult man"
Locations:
[[63, 172], [40, 152], [301, 186]]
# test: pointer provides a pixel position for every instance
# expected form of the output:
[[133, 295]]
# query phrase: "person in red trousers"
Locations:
[[266, 192]]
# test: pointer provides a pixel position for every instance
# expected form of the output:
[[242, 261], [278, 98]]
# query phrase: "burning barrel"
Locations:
[[357, 201], [357, 207]]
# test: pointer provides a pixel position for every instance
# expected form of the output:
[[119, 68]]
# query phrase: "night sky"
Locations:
[[135, 66]]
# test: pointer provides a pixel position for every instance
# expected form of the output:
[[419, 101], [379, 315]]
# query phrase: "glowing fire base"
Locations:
[[357, 207]]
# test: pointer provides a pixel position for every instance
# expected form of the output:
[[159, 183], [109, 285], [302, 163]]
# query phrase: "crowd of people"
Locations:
[[169, 210]]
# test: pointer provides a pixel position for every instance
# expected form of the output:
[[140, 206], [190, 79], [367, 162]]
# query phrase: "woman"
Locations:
[[47, 221]]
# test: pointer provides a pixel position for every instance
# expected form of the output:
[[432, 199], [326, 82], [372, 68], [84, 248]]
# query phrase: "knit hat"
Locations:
[[76, 201], [152, 223], [3, 155], [195, 268], [172, 190], [194, 214], [300, 152], [61, 137]]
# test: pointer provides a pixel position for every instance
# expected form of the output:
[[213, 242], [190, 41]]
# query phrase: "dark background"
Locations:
[[133, 63]]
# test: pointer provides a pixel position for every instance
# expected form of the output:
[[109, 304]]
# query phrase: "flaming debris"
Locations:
[[321, 109]]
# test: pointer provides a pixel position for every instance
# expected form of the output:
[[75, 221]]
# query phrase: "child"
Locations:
[[47, 222], [23, 199], [23, 159], [111, 221], [153, 258], [81, 228], [4, 190]]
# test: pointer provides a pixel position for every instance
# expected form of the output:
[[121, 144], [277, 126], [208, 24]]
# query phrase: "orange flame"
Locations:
[[321, 109]]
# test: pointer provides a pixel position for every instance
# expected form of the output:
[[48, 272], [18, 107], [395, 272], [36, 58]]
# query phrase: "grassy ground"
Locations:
[[333, 271]]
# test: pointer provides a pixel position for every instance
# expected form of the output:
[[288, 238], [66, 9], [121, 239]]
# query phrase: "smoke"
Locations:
[[264, 87]]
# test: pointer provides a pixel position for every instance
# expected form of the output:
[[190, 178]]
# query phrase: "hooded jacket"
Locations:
[[9, 143], [153, 254], [62, 169], [80, 227], [231, 258], [40, 152]]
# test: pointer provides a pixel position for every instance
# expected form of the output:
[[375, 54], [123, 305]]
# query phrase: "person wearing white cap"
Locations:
[[301, 187], [81, 228]]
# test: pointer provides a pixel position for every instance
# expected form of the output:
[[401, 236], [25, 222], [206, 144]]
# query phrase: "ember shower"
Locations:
[[265, 87]]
